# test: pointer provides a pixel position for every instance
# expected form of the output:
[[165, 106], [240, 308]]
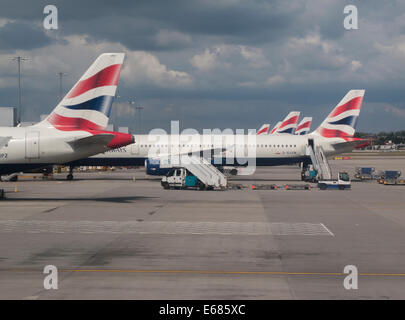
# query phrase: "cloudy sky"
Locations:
[[213, 64]]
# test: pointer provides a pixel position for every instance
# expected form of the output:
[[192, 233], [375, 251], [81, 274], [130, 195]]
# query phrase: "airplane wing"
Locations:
[[102, 139], [348, 145], [4, 141]]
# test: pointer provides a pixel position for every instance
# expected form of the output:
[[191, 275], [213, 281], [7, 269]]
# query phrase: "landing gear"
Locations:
[[69, 177]]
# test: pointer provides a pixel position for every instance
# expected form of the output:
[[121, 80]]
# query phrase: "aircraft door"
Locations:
[[32, 145], [311, 143], [135, 148], [309, 146]]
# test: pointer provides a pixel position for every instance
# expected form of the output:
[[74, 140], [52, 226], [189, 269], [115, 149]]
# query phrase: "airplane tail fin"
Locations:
[[87, 106], [304, 126], [341, 122], [264, 129], [274, 130], [289, 124]]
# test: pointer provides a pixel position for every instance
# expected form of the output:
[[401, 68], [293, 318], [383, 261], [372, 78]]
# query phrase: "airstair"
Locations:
[[199, 167], [320, 162]]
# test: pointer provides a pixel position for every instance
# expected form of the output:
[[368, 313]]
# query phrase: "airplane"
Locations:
[[304, 126], [335, 135], [264, 129], [274, 130], [75, 129], [289, 124]]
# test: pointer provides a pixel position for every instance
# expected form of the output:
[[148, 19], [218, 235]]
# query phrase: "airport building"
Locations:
[[8, 116]]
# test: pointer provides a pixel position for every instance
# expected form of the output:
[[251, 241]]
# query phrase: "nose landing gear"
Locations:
[[69, 177]]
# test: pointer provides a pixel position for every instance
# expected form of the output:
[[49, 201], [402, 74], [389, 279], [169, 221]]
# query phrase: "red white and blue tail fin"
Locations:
[[304, 126], [264, 129], [87, 106], [274, 130], [341, 122], [289, 124]]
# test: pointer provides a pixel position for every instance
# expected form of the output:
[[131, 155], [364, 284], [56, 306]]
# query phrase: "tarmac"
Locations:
[[111, 237]]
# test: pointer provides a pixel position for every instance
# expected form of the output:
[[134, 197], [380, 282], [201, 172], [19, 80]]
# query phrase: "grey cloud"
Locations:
[[234, 93], [22, 35]]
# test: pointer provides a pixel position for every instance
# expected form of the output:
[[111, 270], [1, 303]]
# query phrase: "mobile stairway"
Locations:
[[200, 167], [319, 161]]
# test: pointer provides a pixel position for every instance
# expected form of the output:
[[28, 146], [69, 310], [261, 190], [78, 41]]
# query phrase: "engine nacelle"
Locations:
[[153, 168]]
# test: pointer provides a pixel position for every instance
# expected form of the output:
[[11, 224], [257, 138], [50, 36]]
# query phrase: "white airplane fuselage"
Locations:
[[267, 150], [34, 146], [75, 127]]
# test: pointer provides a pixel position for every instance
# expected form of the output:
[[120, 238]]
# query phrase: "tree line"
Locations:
[[397, 137]]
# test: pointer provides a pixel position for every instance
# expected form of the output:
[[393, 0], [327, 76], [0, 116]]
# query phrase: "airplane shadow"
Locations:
[[126, 199]]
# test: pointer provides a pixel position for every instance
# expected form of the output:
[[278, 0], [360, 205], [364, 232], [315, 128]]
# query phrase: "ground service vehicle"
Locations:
[[391, 177], [343, 182], [364, 173], [181, 178], [309, 175]]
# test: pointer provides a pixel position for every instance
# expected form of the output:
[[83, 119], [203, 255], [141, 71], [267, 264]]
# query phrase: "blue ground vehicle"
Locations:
[[391, 177], [365, 173]]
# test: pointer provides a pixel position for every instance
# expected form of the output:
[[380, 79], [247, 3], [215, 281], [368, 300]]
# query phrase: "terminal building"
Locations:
[[8, 116]]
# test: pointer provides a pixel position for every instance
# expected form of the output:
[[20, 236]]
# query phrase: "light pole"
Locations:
[[139, 108], [19, 59], [131, 103], [61, 75]]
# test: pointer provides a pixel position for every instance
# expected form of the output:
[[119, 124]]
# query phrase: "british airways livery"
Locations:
[[304, 126], [274, 130], [289, 124], [335, 135], [76, 127], [264, 129]]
